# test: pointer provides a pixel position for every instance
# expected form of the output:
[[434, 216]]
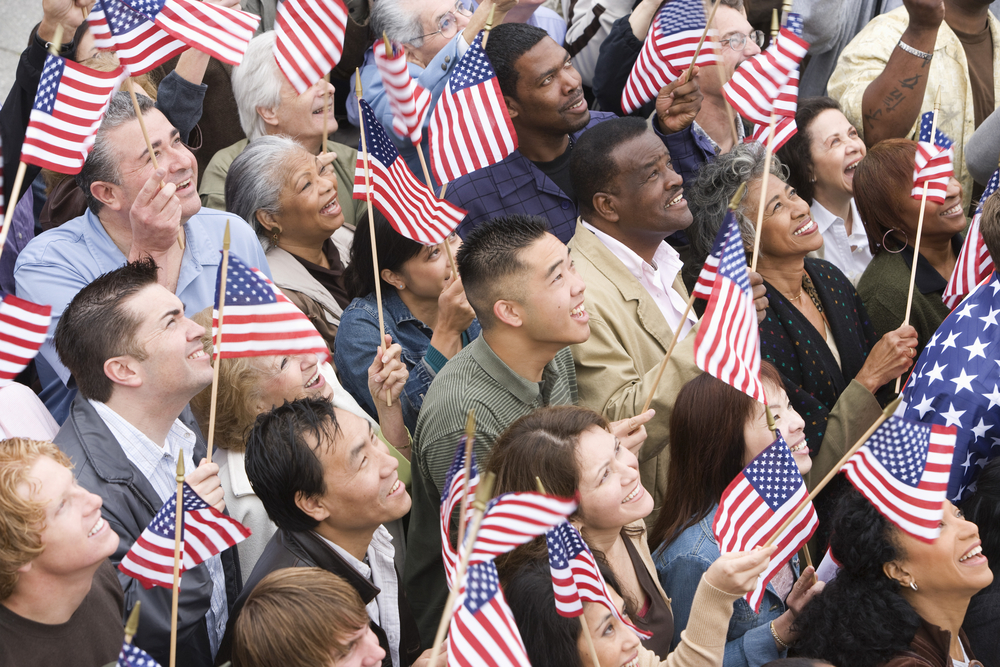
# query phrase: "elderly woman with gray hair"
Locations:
[[291, 199], [816, 331]]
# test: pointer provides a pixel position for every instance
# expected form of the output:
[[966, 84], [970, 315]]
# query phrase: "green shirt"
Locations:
[[476, 379]]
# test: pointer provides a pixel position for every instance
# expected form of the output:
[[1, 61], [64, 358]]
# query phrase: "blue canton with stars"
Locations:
[[473, 69], [120, 17], [794, 23], [149, 8], [380, 147], [774, 475], [48, 84], [941, 139], [564, 545], [956, 382], [243, 286], [457, 466], [133, 656], [481, 585], [732, 256], [165, 521], [681, 15], [900, 446]]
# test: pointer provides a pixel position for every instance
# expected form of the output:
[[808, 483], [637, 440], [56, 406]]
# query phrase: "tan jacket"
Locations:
[[628, 339]]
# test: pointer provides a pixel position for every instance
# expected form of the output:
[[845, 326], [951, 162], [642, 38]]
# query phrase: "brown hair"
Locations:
[[240, 382], [883, 176], [21, 520], [707, 449], [989, 225], [297, 617]]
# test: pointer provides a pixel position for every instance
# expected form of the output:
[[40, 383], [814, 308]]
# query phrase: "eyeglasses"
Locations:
[[448, 24], [739, 40]]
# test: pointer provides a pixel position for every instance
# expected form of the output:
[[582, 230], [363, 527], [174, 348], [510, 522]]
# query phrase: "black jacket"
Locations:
[[130, 502], [307, 549]]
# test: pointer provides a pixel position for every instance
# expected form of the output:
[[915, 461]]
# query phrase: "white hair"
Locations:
[[257, 84]]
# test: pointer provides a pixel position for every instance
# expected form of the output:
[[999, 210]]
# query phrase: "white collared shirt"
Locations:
[[383, 610], [850, 254], [159, 465], [658, 278]]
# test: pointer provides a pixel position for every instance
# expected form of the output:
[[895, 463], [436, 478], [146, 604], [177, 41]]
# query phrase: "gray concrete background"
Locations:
[[17, 18]]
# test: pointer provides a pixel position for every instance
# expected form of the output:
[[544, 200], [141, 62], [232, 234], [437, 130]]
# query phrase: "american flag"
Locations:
[[133, 656], [933, 162], [974, 261], [205, 531], [955, 382], [22, 331], [784, 126], [69, 105], [757, 503], [903, 471], [220, 32], [727, 344], [575, 576], [470, 128], [451, 500], [408, 204], [483, 632], [755, 88], [512, 519], [410, 102], [668, 51], [258, 320], [310, 39], [138, 43]]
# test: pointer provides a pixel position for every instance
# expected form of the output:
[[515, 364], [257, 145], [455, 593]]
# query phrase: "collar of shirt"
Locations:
[[656, 279], [825, 219], [524, 390], [157, 464], [740, 133]]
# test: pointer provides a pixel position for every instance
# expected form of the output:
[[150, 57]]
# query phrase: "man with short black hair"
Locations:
[[139, 361], [135, 211], [330, 484], [544, 97]]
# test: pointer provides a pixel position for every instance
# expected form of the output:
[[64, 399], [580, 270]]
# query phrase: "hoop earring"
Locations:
[[899, 250], [913, 585]]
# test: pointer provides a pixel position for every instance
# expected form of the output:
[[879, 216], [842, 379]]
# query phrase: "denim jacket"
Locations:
[[358, 337], [680, 565]]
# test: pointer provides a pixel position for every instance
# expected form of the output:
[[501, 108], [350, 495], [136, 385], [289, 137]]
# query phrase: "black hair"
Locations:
[[796, 662], [507, 43], [98, 325], [393, 249], [281, 462], [796, 153], [860, 619], [592, 168], [490, 256], [983, 509]]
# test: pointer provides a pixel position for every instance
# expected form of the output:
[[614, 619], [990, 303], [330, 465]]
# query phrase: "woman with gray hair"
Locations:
[[291, 199], [816, 331]]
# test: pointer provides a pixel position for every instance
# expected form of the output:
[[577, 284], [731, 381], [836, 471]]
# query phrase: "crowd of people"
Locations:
[[547, 314]]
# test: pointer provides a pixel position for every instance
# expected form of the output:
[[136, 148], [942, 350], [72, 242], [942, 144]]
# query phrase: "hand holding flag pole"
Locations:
[[920, 228], [886, 413], [483, 494], [371, 220], [217, 343], [767, 162], [697, 51], [178, 536]]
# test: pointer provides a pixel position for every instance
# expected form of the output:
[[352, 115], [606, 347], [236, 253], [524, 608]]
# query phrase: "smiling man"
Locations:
[[59, 595], [630, 202], [135, 211], [330, 484], [138, 362]]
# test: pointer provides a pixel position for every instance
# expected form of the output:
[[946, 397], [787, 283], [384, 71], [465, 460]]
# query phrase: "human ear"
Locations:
[[508, 312], [312, 506], [123, 371]]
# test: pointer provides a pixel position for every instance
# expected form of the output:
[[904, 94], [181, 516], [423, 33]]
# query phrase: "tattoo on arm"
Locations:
[[910, 83]]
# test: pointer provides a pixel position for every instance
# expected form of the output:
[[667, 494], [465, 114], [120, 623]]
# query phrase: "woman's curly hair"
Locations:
[[860, 619]]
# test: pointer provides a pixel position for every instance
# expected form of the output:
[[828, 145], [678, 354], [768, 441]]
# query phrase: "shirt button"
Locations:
[[444, 67], [565, 205], [447, 59]]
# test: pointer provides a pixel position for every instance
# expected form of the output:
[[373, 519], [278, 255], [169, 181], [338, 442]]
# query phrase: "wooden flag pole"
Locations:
[[217, 344], [371, 221], [483, 495], [886, 413], [326, 110], [149, 145], [920, 230], [178, 530], [489, 24], [701, 42], [470, 434], [767, 162], [132, 625], [733, 202], [729, 107]]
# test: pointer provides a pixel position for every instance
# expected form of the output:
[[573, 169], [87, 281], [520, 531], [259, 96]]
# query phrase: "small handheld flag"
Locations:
[[139, 44], [974, 262], [933, 162], [310, 39], [23, 326], [409, 101], [220, 32]]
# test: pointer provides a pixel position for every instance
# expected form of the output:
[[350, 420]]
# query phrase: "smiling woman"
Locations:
[[289, 197]]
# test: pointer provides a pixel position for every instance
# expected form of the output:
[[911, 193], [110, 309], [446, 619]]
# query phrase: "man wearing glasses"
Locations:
[[435, 34]]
